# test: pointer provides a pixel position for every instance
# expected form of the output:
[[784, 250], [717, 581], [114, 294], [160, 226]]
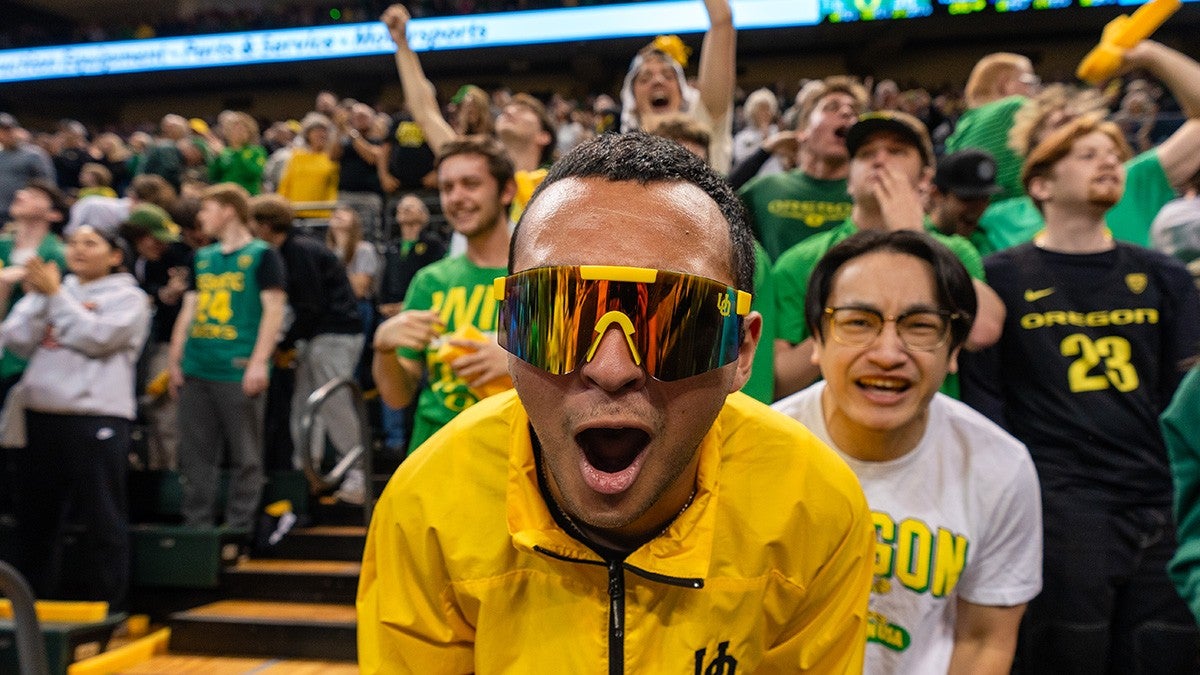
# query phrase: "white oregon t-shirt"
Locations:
[[957, 517]]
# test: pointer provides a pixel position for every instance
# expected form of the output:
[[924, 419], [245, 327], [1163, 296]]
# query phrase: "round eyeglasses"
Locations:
[[922, 330]]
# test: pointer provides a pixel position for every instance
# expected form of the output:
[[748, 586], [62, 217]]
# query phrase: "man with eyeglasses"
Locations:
[[1091, 354], [626, 509], [953, 497]]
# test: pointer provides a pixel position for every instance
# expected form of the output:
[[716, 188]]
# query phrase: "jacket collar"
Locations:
[[683, 551]]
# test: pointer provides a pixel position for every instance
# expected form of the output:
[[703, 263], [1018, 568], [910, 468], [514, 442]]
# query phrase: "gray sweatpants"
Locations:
[[326, 357], [214, 415]]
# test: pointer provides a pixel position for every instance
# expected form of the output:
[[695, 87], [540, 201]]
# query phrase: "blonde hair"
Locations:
[[831, 85], [1033, 119], [231, 195], [247, 121], [993, 70]]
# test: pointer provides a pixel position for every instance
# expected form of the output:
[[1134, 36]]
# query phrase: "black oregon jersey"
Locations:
[[1088, 360]]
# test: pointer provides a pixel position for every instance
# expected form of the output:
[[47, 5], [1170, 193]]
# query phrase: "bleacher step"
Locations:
[[293, 630], [324, 542], [65, 641], [293, 580]]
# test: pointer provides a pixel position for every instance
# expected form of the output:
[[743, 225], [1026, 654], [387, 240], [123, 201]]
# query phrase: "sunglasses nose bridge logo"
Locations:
[[627, 329]]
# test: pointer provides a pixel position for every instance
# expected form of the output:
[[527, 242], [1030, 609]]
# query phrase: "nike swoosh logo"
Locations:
[[1033, 296]]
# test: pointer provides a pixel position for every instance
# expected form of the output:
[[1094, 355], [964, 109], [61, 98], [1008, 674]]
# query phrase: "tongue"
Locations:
[[612, 458]]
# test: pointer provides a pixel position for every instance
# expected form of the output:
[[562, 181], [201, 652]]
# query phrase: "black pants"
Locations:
[[73, 469], [1107, 605]]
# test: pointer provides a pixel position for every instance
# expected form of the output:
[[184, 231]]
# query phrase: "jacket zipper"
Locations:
[[616, 618], [616, 600]]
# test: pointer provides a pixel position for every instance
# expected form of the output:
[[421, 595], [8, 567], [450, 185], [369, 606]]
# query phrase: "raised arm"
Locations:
[[718, 59], [1180, 153], [418, 90]]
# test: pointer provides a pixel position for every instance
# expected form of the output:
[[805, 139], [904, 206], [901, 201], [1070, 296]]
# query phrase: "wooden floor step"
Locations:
[[291, 630], [332, 581], [324, 542], [171, 664]]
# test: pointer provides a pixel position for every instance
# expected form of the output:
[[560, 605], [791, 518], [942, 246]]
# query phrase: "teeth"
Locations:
[[882, 383]]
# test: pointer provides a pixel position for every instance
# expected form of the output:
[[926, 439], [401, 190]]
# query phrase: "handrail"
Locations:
[[323, 482], [31, 652]]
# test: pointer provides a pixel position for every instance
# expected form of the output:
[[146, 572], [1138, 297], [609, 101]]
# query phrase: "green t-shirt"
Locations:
[[793, 269], [461, 293], [243, 166], [787, 208], [1016, 221], [1179, 423], [228, 312], [761, 384], [986, 127], [50, 249]]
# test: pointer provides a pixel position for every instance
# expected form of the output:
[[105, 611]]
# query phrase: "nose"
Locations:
[[887, 350], [612, 367], [452, 193]]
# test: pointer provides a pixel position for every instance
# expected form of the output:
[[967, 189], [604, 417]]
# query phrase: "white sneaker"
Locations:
[[353, 488]]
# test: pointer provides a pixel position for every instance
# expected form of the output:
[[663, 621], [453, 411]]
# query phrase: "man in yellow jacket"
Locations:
[[625, 509]]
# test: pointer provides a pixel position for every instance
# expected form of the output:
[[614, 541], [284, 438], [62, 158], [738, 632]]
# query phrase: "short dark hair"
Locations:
[[58, 201], [149, 187], [184, 213], [273, 212], [500, 165], [641, 157], [955, 290]]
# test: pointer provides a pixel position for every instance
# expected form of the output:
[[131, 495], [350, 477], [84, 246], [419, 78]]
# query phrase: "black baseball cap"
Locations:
[[902, 124], [967, 174]]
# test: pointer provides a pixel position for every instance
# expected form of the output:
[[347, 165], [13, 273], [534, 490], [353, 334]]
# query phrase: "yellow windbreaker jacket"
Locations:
[[768, 571]]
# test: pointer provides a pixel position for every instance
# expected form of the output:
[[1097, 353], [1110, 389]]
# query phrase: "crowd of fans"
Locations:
[[340, 207]]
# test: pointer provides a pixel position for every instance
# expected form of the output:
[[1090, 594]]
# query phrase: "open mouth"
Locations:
[[840, 132], [887, 386], [612, 457], [660, 102]]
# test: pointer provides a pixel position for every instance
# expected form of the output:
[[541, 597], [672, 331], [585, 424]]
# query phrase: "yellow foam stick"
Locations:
[[1119, 35], [448, 353]]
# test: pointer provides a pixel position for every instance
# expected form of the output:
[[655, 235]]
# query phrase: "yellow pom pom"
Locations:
[[672, 46]]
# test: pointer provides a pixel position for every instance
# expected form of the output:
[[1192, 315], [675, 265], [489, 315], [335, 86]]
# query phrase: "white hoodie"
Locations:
[[82, 344]]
